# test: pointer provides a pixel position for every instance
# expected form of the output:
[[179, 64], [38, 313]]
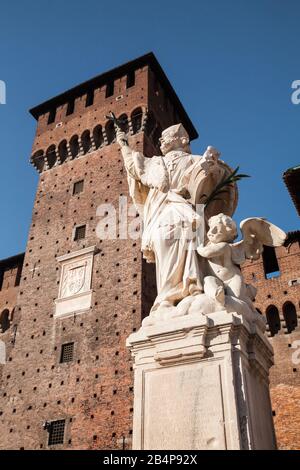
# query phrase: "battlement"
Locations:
[[75, 123]]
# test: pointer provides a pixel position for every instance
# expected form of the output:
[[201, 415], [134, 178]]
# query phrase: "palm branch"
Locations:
[[223, 186]]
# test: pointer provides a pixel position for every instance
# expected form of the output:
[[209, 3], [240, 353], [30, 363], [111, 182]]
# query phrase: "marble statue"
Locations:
[[193, 277]]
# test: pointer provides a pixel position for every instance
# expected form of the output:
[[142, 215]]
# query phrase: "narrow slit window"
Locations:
[[52, 116], [109, 89], [89, 98], [70, 107], [130, 80]]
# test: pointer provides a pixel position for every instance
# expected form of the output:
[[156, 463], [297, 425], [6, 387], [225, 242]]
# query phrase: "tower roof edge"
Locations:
[[81, 89]]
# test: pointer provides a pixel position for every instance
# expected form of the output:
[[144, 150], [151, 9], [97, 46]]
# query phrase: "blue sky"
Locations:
[[232, 63]]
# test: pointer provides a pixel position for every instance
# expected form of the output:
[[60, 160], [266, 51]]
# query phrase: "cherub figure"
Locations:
[[225, 257]]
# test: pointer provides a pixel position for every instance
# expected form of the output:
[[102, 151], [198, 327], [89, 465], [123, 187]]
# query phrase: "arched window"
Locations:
[[273, 319], [136, 120], [110, 132], [51, 155], [86, 142], [62, 150], [123, 120], [38, 161], [290, 316], [98, 136], [4, 321], [74, 146]]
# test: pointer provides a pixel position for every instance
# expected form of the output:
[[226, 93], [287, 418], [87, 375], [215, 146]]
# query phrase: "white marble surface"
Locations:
[[202, 383]]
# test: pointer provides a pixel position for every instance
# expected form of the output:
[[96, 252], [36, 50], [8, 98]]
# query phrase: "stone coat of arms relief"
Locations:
[[75, 292]]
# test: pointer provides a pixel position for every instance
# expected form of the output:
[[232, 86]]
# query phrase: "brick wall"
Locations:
[[285, 374], [10, 272], [94, 392]]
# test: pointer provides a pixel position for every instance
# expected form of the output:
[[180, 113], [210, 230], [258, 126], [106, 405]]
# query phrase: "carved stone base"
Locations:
[[202, 383]]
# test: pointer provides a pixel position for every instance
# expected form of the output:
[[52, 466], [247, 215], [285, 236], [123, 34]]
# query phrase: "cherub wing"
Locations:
[[258, 232], [238, 252]]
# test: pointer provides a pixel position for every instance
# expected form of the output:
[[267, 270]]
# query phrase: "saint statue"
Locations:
[[169, 192]]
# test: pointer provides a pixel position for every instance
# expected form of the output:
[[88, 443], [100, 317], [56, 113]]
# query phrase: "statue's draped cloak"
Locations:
[[159, 187]]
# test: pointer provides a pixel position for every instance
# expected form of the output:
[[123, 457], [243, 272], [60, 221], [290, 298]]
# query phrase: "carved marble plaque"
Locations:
[[75, 293], [74, 280], [183, 408]]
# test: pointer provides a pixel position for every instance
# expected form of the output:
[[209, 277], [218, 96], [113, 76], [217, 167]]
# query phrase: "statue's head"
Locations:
[[174, 138], [221, 229]]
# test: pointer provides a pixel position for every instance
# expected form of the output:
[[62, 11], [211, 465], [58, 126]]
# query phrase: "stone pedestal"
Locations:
[[202, 383]]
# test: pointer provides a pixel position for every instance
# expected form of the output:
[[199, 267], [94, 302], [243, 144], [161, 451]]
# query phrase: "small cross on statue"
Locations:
[[117, 124], [112, 117]]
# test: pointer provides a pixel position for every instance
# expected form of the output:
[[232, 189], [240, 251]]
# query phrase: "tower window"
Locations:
[[56, 432], [74, 146], [4, 321], [98, 136], [52, 116], [80, 232], [109, 89], [270, 262], [63, 150], [86, 142], [89, 98], [78, 187], [290, 316], [130, 80], [273, 319], [70, 108], [110, 132], [67, 352]]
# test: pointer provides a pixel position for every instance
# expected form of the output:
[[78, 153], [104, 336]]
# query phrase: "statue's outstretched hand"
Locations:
[[121, 138]]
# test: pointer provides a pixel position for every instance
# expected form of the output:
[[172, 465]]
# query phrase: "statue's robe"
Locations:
[[165, 191]]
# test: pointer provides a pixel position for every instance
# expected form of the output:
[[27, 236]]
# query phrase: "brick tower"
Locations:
[[67, 382]]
